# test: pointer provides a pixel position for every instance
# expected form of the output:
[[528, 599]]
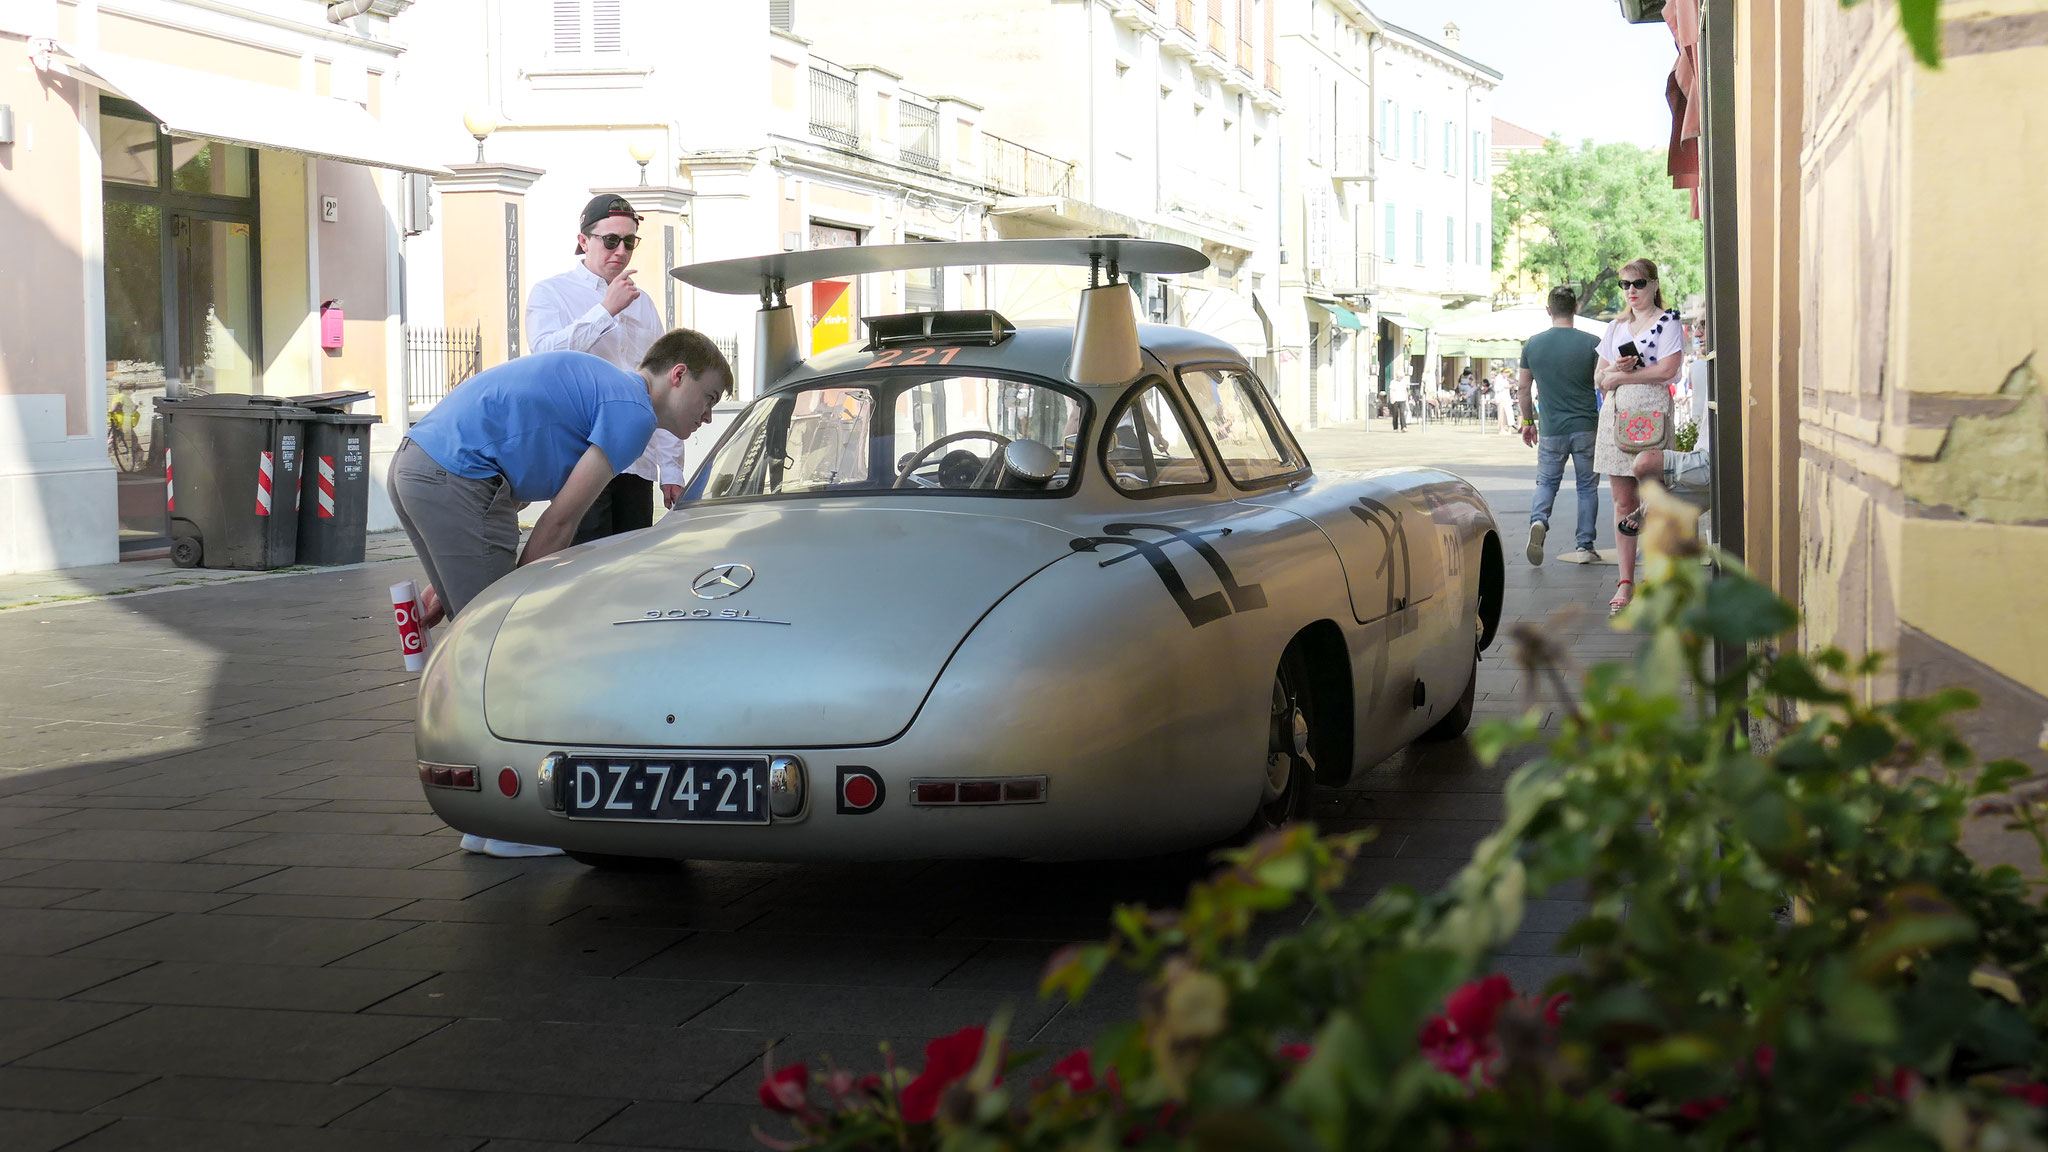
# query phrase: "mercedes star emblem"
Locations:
[[722, 581]]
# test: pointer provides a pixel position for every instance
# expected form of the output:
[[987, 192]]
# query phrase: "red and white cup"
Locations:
[[414, 640]]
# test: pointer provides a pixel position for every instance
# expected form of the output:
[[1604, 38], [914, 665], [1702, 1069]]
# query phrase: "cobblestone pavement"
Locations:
[[228, 920]]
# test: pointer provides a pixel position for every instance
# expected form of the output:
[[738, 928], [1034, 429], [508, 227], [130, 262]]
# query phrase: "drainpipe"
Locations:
[[343, 11]]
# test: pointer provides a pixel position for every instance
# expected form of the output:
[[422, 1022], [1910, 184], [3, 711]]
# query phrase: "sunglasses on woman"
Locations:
[[1624, 283], [612, 242]]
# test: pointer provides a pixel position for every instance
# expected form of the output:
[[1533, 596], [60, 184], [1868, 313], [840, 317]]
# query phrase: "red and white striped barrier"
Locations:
[[327, 487], [263, 486], [170, 491], [414, 641]]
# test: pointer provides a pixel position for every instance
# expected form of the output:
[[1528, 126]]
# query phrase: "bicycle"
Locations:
[[124, 448]]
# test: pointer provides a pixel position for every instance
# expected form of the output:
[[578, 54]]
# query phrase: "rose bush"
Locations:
[[1785, 947]]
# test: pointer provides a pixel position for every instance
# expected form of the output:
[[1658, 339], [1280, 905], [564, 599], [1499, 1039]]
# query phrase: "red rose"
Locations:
[[1473, 1007], [784, 1090], [1697, 1110], [1553, 1008], [946, 1060], [1299, 1053], [1765, 1059], [2034, 1094], [1075, 1069], [1436, 1032]]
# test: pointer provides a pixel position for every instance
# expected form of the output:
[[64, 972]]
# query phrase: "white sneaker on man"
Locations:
[[1537, 531], [1581, 556], [504, 849]]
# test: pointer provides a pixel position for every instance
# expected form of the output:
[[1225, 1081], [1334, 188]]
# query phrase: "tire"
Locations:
[[186, 552], [608, 863], [1459, 718], [1290, 770]]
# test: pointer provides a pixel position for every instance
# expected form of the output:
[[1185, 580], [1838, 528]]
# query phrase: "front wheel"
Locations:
[[1459, 718], [1289, 771]]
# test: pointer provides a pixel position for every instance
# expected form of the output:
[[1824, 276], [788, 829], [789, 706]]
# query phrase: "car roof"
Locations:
[[1038, 348]]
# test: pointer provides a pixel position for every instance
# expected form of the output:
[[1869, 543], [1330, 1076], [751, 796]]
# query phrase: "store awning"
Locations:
[[188, 102], [1225, 315], [1344, 317]]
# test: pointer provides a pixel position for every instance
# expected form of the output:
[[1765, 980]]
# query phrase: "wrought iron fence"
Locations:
[[920, 131], [833, 115], [1014, 170], [438, 359]]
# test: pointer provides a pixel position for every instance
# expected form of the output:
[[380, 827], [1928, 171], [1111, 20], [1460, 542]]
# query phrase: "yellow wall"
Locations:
[[474, 223], [147, 39], [290, 330]]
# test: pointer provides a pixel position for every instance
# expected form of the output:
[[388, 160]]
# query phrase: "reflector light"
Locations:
[[979, 790], [508, 782]]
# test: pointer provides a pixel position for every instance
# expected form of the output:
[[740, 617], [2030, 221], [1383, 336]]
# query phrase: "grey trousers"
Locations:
[[466, 532]]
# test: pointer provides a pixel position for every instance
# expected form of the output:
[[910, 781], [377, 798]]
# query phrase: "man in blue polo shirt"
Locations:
[[554, 426]]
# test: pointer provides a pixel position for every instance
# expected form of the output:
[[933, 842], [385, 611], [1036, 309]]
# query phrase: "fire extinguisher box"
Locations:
[[231, 471], [330, 324], [334, 513]]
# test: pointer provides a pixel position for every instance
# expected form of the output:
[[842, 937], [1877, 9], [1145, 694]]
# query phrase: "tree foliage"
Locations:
[[1585, 212]]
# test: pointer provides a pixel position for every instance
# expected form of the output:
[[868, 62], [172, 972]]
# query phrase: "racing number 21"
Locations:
[[912, 357]]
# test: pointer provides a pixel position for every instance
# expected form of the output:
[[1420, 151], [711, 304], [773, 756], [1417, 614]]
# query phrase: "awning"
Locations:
[[1499, 335], [1225, 315], [188, 102], [1344, 317]]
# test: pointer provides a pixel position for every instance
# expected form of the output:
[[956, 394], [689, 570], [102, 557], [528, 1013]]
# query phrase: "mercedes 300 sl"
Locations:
[[969, 589]]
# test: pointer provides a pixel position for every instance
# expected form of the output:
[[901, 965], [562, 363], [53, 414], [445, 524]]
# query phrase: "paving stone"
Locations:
[[518, 1116], [314, 1047], [858, 1054], [151, 819], [332, 851], [32, 1131], [55, 977], [246, 1101], [12, 897], [789, 958], [570, 1059], [337, 907], [257, 986], [864, 1011], [514, 948], [129, 844], [143, 900], [157, 1135], [481, 909], [154, 876], [321, 820], [244, 939], [719, 1127], [394, 882], [48, 931], [29, 1026], [1009, 966], [63, 1090], [559, 998]]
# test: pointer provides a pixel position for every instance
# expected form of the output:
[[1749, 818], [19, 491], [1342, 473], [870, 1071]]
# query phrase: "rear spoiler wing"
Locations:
[[1105, 330]]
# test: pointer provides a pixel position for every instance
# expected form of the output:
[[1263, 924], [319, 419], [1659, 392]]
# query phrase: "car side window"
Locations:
[[1149, 448], [1250, 447]]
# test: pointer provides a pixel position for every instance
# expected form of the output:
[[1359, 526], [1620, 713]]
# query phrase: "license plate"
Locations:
[[680, 791]]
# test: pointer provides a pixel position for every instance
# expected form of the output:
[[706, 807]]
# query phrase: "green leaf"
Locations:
[[1738, 610], [1672, 1052], [1864, 743], [1793, 677], [1921, 20], [1861, 1013], [1999, 776]]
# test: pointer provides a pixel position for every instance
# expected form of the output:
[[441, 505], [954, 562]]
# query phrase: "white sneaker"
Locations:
[[1581, 556], [510, 850], [1537, 531], [471, 842]]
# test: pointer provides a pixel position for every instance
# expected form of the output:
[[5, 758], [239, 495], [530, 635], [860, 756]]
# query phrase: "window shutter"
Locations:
[[605, 32], [782, 14], [568, 26]]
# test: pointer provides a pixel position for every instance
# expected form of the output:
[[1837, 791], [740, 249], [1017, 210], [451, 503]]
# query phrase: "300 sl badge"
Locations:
[[730, 615]]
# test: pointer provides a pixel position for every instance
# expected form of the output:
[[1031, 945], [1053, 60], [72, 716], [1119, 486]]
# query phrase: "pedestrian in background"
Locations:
[[596, 307], [1562, 359], [1640, 354]]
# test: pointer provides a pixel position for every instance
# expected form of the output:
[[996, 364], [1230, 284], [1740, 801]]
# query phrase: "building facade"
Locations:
[[1512, 284], [185, 186], [1433, 198]]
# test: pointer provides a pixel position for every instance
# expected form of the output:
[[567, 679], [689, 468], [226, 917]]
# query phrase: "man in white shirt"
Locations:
[[595, 307]]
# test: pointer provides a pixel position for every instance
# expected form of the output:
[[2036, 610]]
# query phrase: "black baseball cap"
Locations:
[[606, 205]]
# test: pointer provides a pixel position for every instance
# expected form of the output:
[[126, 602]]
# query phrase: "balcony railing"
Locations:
[[1014, 170], [919, 128], [833, 115], [1184, 14]]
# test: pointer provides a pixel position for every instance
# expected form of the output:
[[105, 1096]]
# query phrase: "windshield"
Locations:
[[922, 434]]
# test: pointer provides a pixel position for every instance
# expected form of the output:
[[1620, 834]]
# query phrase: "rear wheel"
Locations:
[[1290, 768], [1459, 718], [609, 863]]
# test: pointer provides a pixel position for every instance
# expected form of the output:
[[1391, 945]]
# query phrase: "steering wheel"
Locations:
[[918, 457]]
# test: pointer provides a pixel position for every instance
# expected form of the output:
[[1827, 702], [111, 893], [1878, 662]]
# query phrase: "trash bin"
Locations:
[[231, 479], [335, 512]]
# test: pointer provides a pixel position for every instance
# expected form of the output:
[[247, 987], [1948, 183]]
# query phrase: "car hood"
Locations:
[[848, 617]]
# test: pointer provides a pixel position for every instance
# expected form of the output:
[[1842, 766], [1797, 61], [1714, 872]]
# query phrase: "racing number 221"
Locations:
[[912, 357]]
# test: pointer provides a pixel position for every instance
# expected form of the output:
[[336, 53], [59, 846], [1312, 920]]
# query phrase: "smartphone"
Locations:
[[1628, 349]]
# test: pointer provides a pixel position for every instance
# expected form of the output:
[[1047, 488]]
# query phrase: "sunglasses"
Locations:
[[1624, 283], [612, 242]]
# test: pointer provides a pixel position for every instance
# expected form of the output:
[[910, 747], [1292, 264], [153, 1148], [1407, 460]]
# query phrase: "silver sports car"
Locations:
[[970, 589]]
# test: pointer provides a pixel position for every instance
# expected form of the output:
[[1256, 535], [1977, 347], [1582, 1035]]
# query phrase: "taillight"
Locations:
[[448, 775], [978, 790]]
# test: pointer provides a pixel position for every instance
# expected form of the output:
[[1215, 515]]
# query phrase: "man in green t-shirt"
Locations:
[[1561, 358]]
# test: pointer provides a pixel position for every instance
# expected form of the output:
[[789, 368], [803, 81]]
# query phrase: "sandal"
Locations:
[[1630, 524], [1621, 598]]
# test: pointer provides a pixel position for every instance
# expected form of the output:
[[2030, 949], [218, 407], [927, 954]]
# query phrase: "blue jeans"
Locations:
[[1550, 454]]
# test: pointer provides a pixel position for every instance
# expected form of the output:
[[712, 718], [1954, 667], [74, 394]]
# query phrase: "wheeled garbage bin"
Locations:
[[231, 479], [336, 509]]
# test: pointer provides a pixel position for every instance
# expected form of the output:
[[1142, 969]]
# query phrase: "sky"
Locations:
[[1574, 68]]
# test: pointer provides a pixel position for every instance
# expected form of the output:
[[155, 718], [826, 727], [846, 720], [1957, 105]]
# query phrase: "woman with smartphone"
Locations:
[[1641, 353]]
